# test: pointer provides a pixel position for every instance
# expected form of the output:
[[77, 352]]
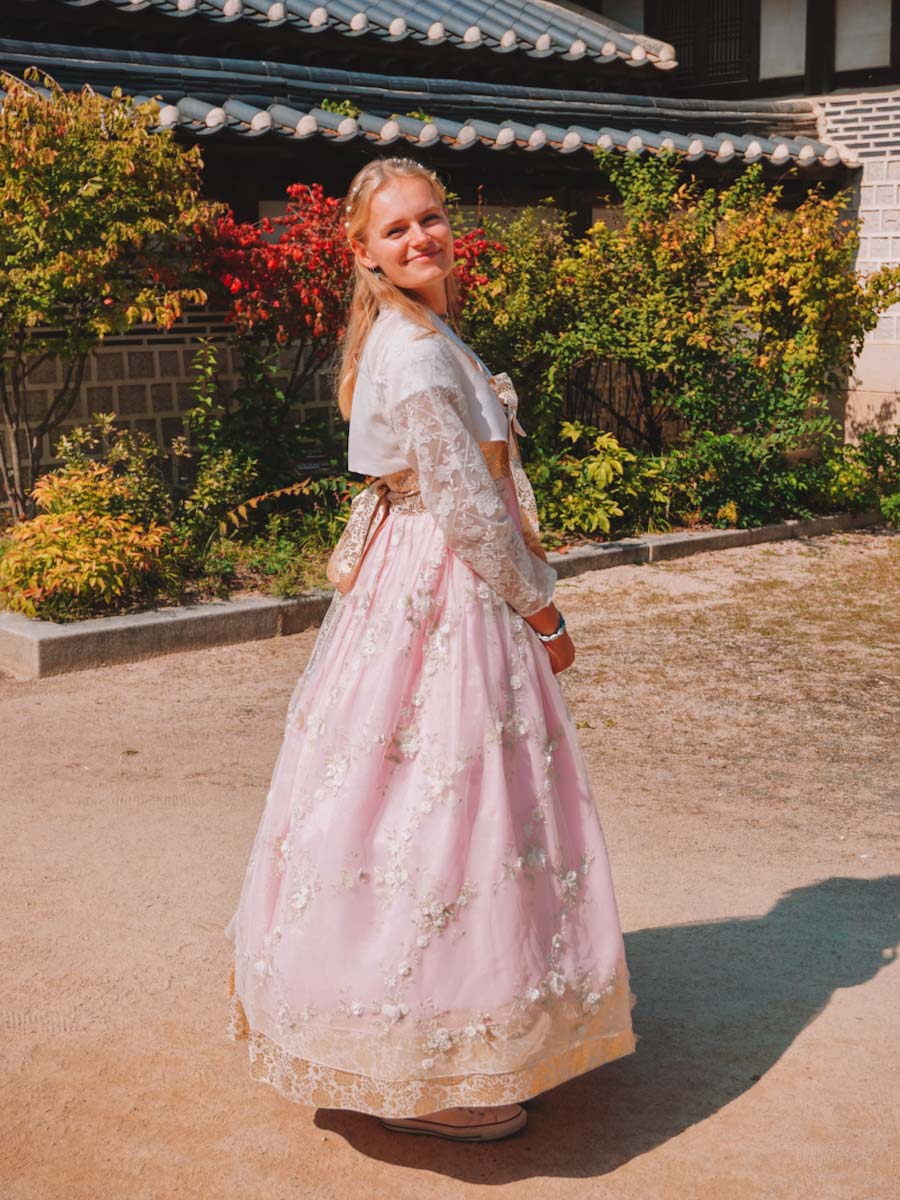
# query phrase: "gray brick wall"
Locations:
[[868, 124], [146, 377]]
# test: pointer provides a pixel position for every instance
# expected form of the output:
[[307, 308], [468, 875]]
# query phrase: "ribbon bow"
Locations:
[[506, 394]]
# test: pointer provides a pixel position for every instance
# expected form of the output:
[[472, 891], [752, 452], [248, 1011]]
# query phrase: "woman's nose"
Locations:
[[418, 234]]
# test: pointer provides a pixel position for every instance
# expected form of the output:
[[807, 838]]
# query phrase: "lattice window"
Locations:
[[712, 38], [676, 22], [725, 40]]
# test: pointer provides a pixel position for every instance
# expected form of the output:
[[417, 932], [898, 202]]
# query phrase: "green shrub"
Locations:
[[286, 557], [278, 556], [890, 510], [101, 540], [514, 309], [126, 480], [858, 476], [711, 327], [845, 481], [736, 480], [254, 424], [216, 568], [223, 479], [881, 454], [725, 311], [325, 510], [597, 486], [62, 566]]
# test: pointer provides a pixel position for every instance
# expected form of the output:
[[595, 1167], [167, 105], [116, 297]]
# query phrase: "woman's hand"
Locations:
[[562, 653], [561, 649]]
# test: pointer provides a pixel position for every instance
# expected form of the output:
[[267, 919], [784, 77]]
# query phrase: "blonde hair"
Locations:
[[372, 290]]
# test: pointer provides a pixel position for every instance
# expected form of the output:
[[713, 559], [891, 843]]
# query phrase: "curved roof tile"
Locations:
[[248, 98], [538, 27]]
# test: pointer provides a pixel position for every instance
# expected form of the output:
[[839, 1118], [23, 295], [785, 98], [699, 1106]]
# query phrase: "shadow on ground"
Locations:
[[718, 1004]]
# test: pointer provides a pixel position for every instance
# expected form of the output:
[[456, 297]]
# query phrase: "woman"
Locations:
[[427, 929]]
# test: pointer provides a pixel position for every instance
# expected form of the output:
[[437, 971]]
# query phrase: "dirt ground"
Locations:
[[739, 711]]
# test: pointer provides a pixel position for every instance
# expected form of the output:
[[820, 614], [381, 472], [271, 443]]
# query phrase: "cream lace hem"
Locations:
[[320, 1086]]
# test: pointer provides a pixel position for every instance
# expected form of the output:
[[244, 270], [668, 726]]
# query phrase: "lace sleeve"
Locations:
[[426, 410], [531, 526]]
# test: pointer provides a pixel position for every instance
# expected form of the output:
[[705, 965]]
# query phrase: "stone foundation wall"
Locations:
[[868, 123], [146, 379]]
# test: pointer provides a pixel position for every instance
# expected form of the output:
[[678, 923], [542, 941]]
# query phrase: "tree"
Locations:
[[731, 313], [290, 290], [698, 310], [284, 285], [96, 207], [512, 305]]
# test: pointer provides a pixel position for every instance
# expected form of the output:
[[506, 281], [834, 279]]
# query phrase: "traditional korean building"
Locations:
[[843, 58], [507, 100]]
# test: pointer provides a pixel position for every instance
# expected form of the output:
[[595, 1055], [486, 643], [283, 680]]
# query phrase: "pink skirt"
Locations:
[[427, 917]]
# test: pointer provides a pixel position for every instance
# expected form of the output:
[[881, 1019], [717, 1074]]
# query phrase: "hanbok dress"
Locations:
[[427, 917]]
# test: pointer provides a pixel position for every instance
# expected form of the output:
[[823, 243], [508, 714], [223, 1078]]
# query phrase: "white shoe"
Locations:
[[463, 1124]]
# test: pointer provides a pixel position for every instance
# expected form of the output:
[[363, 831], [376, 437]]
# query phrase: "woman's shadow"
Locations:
[[718, 1004]]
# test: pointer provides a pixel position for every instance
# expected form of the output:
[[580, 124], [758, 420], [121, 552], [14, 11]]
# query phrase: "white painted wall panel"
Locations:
[[629, 13], [862, 36], [782, 38]]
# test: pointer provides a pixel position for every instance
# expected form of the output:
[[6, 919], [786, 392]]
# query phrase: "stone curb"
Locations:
[[31, 649]]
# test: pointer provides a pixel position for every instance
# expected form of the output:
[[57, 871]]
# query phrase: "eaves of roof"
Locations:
[[251, 98], [540, 28]]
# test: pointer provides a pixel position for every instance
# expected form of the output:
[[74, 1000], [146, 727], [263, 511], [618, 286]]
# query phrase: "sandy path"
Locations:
[[740, 714]]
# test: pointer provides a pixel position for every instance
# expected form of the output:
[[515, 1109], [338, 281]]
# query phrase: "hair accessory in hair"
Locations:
[[390, 162]]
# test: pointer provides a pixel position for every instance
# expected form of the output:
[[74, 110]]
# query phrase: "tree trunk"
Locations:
[[60, 407], [18, 470], [10, 458]]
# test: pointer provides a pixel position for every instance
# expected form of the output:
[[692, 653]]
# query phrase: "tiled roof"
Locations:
[[538, 27], [249, 98]]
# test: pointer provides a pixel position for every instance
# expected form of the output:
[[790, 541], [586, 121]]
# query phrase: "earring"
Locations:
[[376, 270]]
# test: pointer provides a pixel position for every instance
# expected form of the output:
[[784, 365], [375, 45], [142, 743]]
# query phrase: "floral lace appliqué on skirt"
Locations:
[[427, 917]]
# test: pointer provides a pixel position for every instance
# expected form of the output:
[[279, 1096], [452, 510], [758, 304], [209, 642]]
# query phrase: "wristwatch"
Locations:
[[558, 632]]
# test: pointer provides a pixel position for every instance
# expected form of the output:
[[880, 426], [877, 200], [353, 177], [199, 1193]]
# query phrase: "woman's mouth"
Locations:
[[423, 256]]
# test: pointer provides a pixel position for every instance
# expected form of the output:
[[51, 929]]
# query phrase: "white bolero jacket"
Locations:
[[421, 402]]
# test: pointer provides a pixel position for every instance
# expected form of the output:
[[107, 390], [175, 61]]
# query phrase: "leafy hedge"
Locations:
[[735, 320], [112, 535], [65, 565]]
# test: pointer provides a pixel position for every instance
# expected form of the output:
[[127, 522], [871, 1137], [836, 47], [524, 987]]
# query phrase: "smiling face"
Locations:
[[408, 236]]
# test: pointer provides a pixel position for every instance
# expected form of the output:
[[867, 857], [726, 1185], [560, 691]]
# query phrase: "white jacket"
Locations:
[[421, 402]]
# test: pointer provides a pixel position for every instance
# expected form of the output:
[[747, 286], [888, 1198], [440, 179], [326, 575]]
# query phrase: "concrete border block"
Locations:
[[19, 646], [769, 533], [814, 526], [597, 558], [32, 649], [305, 611], [662, 546], [36, 649]]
